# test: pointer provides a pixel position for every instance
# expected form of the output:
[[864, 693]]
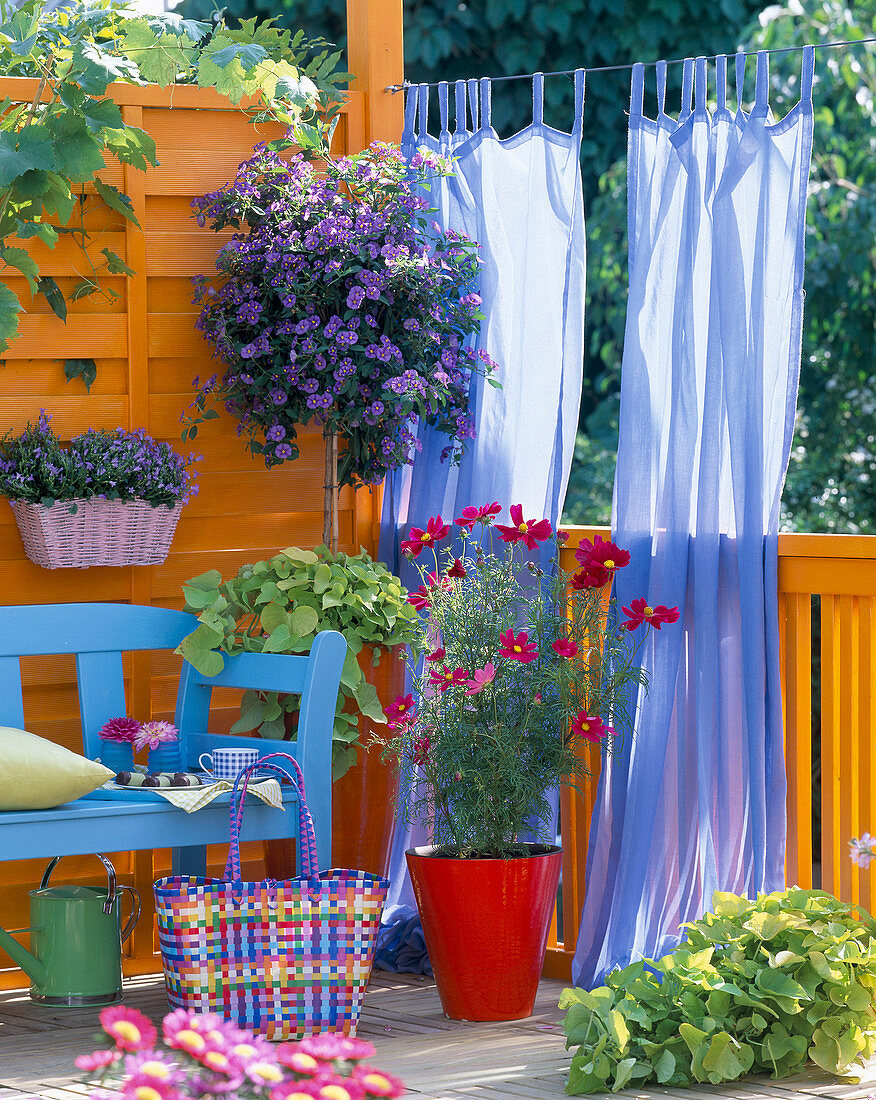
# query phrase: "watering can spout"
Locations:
[[29, 963]]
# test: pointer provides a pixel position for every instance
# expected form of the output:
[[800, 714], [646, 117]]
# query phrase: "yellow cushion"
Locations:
[[36, 774]]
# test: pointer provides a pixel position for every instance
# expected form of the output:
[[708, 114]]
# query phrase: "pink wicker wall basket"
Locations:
[[99, 532]]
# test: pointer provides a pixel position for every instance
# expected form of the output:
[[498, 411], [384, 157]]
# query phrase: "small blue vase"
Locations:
[[166, 758], [119, 756]]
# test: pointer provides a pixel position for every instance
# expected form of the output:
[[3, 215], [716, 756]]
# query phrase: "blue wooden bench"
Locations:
[[98, 634]]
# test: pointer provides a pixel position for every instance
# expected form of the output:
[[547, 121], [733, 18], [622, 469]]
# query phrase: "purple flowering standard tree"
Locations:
[[340, 302]]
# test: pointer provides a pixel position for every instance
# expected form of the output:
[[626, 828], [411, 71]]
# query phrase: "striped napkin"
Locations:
[[195, 798]]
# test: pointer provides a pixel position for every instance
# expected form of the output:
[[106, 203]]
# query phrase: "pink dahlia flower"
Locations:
[[122, 730]]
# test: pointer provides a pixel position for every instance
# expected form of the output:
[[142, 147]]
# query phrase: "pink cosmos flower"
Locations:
[[602, 552], [862, 850], [444, 677], [420, 750], [591, 727], [593, 577], [563, 647], [472, 515], [457, 569], [98, 1059], [422, 597], [153, 734], [328, 1047], [130, 1029], [530, 532], [400, 707], [517, 647], [480, 678], [437, 654], [418, 539], [122, 730], [639, 612], [377, 1083]]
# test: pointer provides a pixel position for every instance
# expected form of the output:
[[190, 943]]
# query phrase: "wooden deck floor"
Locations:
[[439, 1059]]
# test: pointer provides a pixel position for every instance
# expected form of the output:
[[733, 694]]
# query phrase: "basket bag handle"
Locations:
[[306, 834]]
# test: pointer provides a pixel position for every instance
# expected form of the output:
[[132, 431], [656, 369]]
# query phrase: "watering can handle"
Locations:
[[135, 912], [111, 889]]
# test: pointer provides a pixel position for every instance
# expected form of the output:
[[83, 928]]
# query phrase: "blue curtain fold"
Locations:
[[696, 801], [520, 199]]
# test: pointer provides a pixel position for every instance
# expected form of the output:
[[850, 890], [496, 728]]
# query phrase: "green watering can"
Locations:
[[77, 945]]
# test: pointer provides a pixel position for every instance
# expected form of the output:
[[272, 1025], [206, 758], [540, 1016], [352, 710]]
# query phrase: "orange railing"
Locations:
[[827, 615]]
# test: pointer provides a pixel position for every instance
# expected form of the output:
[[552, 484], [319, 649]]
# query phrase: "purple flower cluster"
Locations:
[[341, 304], [111, 465]]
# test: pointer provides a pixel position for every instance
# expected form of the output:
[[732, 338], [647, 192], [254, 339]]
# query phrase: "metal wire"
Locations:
[[620, 68]]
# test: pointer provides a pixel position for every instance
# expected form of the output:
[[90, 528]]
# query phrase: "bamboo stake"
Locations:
[[330, 498]]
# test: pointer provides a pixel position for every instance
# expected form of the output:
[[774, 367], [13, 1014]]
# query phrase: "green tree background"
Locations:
[[831, 482]]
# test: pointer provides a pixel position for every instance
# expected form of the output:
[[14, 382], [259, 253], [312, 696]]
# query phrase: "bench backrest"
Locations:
[[98, 634]]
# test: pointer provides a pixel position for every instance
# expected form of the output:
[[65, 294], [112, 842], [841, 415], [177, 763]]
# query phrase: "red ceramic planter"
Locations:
[[486, 923]]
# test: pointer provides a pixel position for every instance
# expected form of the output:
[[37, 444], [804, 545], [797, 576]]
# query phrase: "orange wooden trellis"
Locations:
[[148, 352]]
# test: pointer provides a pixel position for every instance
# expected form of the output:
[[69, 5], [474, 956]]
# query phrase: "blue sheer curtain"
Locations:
[[520, 198], [696, 801]]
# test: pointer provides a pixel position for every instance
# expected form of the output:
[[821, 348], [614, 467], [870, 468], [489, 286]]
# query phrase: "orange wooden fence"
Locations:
[[147, 354], [826, 581]]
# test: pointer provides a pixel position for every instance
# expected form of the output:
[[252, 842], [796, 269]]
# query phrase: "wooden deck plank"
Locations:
[[439, 1059]]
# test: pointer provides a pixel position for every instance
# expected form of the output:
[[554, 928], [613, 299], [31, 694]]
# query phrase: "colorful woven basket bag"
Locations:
[[283, 959]]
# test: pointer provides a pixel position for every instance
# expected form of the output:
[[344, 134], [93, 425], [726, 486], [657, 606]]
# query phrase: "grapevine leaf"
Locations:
[[115, 263], [86, 369], [132, 146], [115, 200], [249, 54], [33, 183], [10, 307], [18, 257], [101, 114], [78, 153], [94, 69], [53, 295], [46, 233]]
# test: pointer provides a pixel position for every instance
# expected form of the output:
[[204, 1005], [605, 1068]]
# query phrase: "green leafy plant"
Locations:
[[277, 606], [54, 144], [757, 986]]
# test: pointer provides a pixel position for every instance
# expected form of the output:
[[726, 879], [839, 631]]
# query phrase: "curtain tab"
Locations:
[[443, 110], [807, 74], [761, 87], [740, 80], [701, 86], [459, 107], [580, 77], [661, 89], [538, 98], [721, 81], [410, 115], [423, 99], [637, 91], [473, 105], [686, 88], [486, 106]]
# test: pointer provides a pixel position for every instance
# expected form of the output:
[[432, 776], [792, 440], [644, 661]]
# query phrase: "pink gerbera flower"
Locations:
[[153, 734], [295, 1090], [293, 1057], [531, 532], [445, 677], [144, 1087], [130, 1029], [517, 647], [484, 515], [333, 1087], [563, 647], [603, 553], [329, 1047], [377, 1083], [122, 730], [480, 678], [98, 1059], [591, 727], [418, 539]]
